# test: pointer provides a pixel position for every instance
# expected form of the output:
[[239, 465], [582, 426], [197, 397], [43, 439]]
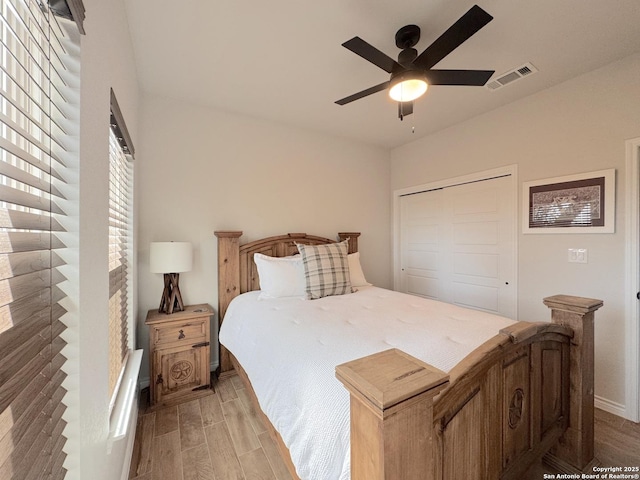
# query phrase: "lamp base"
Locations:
[[171, 300]]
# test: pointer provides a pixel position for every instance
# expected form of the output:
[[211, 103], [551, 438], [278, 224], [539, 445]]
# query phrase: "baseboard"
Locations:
[[561, 466], [144, 383], [609, 406]]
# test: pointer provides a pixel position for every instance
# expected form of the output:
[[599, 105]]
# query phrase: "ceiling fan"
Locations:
[[412, 74]]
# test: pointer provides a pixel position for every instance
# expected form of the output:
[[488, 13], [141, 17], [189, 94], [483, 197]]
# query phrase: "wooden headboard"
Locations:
[[237, 271]]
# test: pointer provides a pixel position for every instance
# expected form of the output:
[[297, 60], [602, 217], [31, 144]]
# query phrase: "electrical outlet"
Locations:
[[578, 255]]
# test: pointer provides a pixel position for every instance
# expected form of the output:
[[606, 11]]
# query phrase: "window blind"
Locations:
[[32, 146], [120, 237]]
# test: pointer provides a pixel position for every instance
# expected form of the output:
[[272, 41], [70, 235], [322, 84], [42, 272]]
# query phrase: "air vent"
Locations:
[[511, 76]]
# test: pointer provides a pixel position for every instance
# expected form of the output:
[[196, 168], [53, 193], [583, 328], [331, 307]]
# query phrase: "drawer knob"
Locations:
[[181, 336]]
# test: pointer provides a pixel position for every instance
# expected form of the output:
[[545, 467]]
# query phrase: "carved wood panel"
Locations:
[[462, 441], [553, 403], [181, 370], [516, 428], [470, 420]]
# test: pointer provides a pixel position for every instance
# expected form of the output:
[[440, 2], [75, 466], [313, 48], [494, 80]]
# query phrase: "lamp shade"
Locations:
[[170, 257]]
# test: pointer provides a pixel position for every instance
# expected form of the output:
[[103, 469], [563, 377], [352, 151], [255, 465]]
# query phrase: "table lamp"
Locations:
[[170, 258]]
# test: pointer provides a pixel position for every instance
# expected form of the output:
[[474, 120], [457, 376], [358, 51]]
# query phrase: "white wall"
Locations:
[[106, 62], [578, 126], [204, 170]]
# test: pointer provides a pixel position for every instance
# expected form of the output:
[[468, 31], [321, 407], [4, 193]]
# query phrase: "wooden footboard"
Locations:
[[524, 391]]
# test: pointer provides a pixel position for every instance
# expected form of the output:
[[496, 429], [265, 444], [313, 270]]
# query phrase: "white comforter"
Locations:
[[290, 347]]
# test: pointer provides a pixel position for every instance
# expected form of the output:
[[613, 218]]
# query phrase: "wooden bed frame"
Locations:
[[524, 394]]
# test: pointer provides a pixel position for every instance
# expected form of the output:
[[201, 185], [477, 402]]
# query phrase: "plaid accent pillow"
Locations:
[[326, 269]]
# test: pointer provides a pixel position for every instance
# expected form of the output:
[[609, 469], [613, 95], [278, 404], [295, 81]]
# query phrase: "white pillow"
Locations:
[[355, 271], [280, 276]]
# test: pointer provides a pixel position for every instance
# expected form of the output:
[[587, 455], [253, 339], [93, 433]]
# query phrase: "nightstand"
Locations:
[[179, 352]]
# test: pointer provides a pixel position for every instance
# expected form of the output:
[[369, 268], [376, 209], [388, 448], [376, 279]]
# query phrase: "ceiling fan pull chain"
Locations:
[[413, 127]]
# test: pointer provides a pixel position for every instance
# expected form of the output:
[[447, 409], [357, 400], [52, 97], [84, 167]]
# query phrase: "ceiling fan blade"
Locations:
[[456, 35], [363, 93], [372, 54], [458, 77], [404, 109]]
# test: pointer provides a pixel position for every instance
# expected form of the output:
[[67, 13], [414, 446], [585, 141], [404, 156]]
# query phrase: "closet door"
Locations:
[[423, 248], [457, 245]]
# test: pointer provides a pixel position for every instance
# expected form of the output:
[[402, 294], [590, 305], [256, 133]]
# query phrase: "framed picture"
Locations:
[[583, 203]]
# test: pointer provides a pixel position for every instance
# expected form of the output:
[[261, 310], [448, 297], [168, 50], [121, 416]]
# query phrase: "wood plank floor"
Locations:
[[217, 437], [220, 437], [617, 444]]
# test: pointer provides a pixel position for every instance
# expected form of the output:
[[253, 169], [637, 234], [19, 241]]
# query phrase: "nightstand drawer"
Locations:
[[179, 333]]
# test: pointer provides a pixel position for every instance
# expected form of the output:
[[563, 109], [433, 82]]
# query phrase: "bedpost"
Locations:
[[575, 450], [228, 282], [353, 240], [391, 415]]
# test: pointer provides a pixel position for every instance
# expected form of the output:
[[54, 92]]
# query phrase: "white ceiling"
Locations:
[[282, 60]]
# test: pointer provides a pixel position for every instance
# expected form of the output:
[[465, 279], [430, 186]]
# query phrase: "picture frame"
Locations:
[[582, 203]]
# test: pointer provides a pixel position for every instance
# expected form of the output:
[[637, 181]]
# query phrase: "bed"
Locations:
[[424, 406]]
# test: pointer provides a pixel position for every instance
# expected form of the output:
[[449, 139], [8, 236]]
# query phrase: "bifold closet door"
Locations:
[[457, 245]]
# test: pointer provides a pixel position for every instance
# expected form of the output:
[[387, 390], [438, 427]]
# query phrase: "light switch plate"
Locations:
[[578, 255]]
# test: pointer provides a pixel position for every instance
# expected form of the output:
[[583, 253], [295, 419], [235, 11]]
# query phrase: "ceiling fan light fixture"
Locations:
[[407, 88]]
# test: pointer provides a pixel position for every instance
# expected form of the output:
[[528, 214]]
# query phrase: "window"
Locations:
[[34, 134], [120, 246]]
